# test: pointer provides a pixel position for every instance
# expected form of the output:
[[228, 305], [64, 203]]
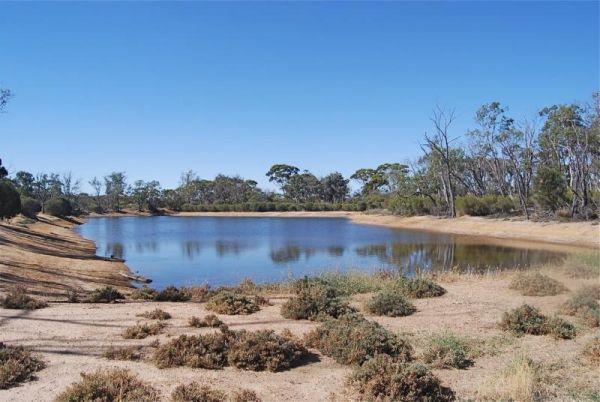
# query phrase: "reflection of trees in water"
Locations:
[[225, 247], [151, 246], [291, 253], [115, 250], [336, 251], [191, 248], [464, 257]]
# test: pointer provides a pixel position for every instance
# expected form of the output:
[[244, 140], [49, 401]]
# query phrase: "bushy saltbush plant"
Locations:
[[529, 320], [110, 385], [144, 293], [210, 320], [141, 331], [390, 303], [352, 339], [17, 365], [18, 299], [232, 303], [194, 392], [59, 207], [382, 378], [107, 294], [584, 304], [536, 284], [123, 353], [207, 351], [419, 288], [172, 294], [156, 314], [30, 207], [447, 350]]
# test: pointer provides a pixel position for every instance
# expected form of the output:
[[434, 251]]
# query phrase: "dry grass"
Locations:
[[144, 293], [156, 314], [132, 353], [448, 350], [520, 380], [529, 320], [591, 351], [141, 331], [389, 303], [584, 305], [582, 265], [109, 385], [536, 284], [18, 299], [17, 365], [231, 303], [210, 321]]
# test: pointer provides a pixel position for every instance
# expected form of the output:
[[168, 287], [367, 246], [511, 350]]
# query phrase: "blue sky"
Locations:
[[153, 89]]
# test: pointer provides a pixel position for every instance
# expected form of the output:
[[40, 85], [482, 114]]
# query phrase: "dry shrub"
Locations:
[[419, 288], [17, 299], [520, 380], [527, 319], [109, 385], [156, 314], [384, 379], [107, 294], [245, 395], [592, 350], [351, 339], [17, 365], [194, 392], [210, 321], [201, 351], [141, 331], [314, 300], [536, 284], [447, 350], [172, 294], [123, 353], [584, 304], [144, 293], [232, 303], [264, 350], [390, 303], [198, 294], [583, 265]]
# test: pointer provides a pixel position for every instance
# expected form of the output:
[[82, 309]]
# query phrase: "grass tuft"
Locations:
[[583, 265], [144, 293], [144, 330], [536, 284], [390, 303], [17, 365], [519, 380]]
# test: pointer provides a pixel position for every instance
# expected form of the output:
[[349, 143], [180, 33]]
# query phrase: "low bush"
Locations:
[[584, 305], [110, 385], [314, 300], [245, 395], [264, 350], [123, 353], [419, 288], [592, 350], [352, 339], [30, 207], [391, 304], [210, 320], [107, 294], [17, 299], [384, 379], [156, 314], [59, 207], [194, 392], [483, 206], [172, 294], [141, 331], [17, 365], [144, 293], [447, 350], [207, 351], [232, 303], [536, 284], [529, 320], [198, 294]]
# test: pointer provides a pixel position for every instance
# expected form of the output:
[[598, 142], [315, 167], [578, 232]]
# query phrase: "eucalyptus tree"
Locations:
[[97, 186], [115, 185], [334, 187]]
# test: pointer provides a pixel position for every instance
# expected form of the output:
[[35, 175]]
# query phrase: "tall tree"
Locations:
[[334, 187], [115, 188]]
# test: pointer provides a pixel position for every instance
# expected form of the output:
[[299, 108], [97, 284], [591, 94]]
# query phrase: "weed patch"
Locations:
[[584, 305], [144, 293]]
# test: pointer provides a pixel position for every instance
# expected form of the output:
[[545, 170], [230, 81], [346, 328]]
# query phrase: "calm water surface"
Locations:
[[225, 250]]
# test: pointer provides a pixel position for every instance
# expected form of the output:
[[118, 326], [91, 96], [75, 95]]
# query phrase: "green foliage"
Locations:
[[107, 294], [482, 206], [30, 207], [352, 339], [384, 379], [446, 350], [18, 299], [314, 300], [17, 365], [536, 284], [207, 351], [10, 201], [529, 320], [411, 205], [60, 207], [419, 288], [232, 303], [109, 385], [390, 303], [550, 188]]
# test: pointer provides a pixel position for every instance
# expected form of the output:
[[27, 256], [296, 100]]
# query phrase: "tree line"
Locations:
[[544, 168]]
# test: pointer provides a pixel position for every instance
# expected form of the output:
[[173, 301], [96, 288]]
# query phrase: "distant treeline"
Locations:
[[546, 168]]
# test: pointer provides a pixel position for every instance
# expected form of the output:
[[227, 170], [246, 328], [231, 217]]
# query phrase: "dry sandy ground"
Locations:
[[71, 338]]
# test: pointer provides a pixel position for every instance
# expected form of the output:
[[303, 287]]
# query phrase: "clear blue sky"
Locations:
[[153, 89]]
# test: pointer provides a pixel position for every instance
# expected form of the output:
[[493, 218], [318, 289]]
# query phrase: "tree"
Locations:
[[334, 188], [3, 171], [42, 189], [115, 188], [550, 188], [302, 187], [146, 194], [97, 186], [10, 201], [25, 183], [282, 173]]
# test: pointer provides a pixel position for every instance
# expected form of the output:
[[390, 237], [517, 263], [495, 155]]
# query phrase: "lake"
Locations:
[[225, 250]]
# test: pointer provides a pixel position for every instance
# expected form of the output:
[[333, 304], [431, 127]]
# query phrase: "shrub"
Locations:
[[245, 395], [18, 299], [109, 385], [383, 379], [198, 294], [141, 331], [59, 207], [172, 294], [156, 314], [10, 201], [584, 304], [107, 294], [17, 365], [210, 320], [264, 350], [528, 320], [447, 350], [420, 288], [391, 304], [194, 392], [351, 339], [592, 350], [144, 293], [482, 206], [314, 300], [124, 353], [202, 351], [30, 207], [536, 284], [232, 303]]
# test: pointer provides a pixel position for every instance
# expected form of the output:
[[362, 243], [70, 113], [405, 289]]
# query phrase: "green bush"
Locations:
[[232, 303], [489, 204], [59, 207], [411, 205], [17, 365], [419, 288], [384, 379], [447, 350], [314, 300], [536, 284], [391, 304], [549, 189], [10, 201], [30, 207], [529, 320], [351, 339]]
